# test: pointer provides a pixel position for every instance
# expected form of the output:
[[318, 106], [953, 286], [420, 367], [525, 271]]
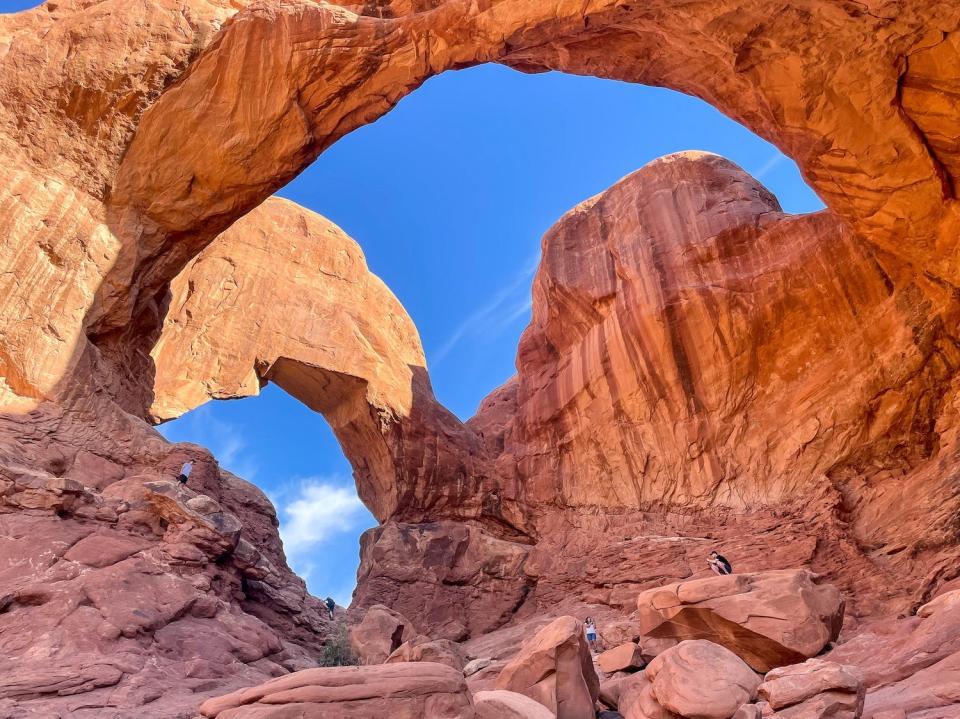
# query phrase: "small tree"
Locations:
[[337, 651]]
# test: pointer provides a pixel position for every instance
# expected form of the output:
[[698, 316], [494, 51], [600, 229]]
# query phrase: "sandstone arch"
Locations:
[[285, 296], [136, 133], [853, 117]]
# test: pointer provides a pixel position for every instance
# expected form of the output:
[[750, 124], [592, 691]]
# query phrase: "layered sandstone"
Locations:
[[702, 370], [285, 296], [768, 619], [419, 690]]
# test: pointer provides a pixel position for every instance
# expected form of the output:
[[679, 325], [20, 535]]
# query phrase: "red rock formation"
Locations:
[[420, 690], [501, 704], [825, 683], [701, 679], [768, 619], [702, 370], [554, 667], [354, 356]]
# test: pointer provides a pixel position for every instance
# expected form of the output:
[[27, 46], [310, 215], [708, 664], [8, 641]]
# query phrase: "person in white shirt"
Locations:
[[185, 472], [590, 628]]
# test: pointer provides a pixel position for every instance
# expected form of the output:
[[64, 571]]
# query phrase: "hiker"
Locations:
[[590, 628], [185, 471], [719, 564], [331, 605]]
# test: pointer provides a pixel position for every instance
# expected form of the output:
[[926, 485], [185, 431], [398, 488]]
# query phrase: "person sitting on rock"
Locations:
[[590, 627], [719, 564], [331, 605], [185, 471]]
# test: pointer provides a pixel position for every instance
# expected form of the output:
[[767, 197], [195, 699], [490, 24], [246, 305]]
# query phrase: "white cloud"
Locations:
[[317, 511], [492, 317], [312, 514]]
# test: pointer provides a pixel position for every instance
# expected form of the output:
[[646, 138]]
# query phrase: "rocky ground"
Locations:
[[702, 371]]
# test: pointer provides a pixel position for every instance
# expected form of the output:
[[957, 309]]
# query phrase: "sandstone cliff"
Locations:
[[701, 371]]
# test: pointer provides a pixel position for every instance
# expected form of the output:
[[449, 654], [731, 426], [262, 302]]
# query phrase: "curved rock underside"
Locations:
[[701, 370]]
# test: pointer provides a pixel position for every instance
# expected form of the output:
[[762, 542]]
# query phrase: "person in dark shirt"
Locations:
[[331, 606], [719, 564]]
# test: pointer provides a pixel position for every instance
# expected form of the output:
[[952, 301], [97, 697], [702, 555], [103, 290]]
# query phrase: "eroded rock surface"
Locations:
[[814, 688], [702, 370], [701, 679], [421, 690], [555, 668], [768, 619]]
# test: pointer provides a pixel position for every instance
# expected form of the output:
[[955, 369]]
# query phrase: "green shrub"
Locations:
[[337, 651]]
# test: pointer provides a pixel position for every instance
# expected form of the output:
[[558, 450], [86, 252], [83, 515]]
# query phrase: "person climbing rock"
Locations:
[[185, 471], [331, 606], [719, 564], [590, 627]]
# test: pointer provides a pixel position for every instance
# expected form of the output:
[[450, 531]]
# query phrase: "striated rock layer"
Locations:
[[702, 370]]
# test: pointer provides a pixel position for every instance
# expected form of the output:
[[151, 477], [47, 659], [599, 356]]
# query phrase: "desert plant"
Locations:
[[337, 651]]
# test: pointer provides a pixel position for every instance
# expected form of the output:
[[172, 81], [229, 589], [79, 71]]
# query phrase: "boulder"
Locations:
[[476, 665], [945, 601], [381, 632], [423, 649], [701, 680], [623, 658], [500, 704], [419, 690], [555, 667], [637, 700], [828, 705], [787, 686], [769, 619], [653, 646], [611, 688]]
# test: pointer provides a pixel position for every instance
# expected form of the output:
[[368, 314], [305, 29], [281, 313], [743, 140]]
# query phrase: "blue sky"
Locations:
[[449, 195]]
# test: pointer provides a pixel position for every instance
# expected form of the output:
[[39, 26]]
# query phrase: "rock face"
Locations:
[[555, 668], [768, 619], [436, 572], [355, 355], [909, 664], [121, 588], [702, 370], [406, 691]]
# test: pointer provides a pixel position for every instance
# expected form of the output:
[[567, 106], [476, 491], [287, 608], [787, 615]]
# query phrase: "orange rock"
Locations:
[[555, 667], [701, 679], [636, 700], [786, 686], [420, 690], [699, 365], [500, 704], [769, 619], [381, 633], [423, 649], [623, 658]]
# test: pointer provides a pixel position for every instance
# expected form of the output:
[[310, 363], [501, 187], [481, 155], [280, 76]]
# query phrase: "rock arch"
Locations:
[[285, 296], [284, 81]]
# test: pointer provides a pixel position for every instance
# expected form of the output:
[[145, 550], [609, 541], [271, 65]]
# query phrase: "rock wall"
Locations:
[[692, 345], [702, 370]]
